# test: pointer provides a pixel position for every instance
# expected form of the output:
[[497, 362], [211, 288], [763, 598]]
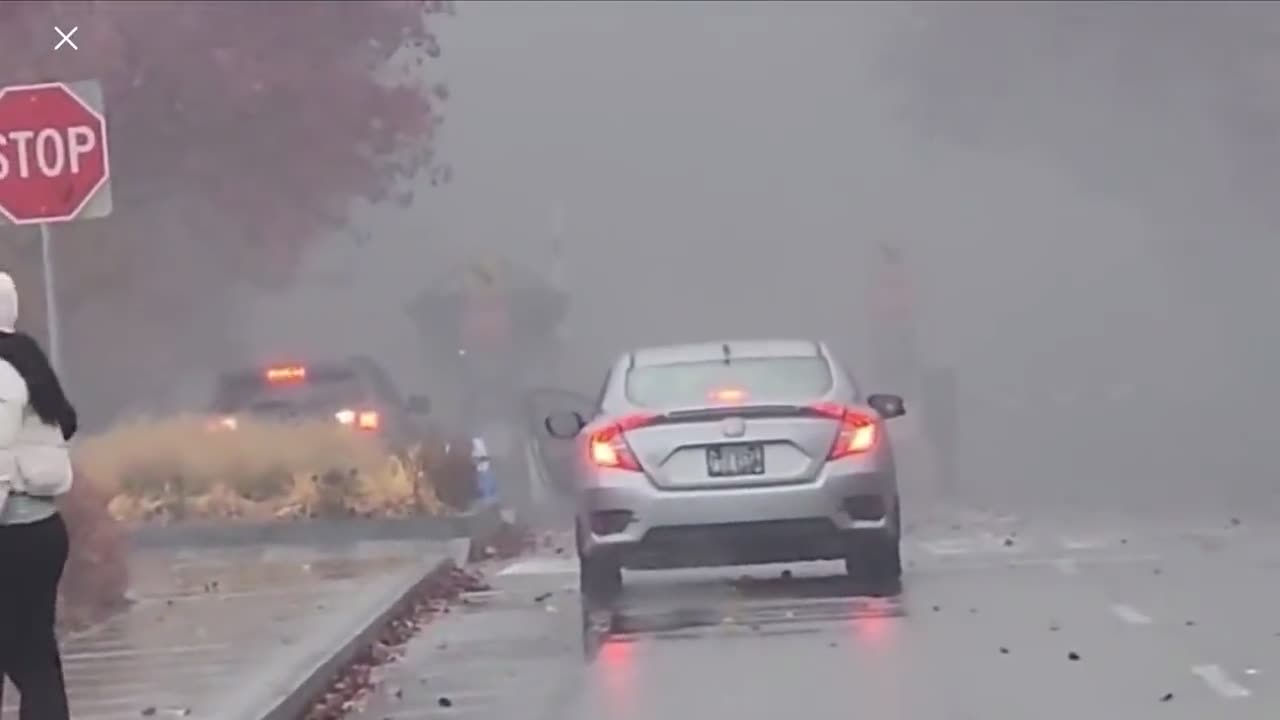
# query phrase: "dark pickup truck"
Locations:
[[356, 392]]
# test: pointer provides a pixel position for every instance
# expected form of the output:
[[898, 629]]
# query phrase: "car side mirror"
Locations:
[[888, 406], [564, 425], [419, 404]]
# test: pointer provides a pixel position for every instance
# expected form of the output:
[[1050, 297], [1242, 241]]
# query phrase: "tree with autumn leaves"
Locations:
[[240, 132]]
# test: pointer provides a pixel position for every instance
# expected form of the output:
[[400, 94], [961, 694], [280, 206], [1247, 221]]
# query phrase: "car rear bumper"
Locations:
[[648, 527]]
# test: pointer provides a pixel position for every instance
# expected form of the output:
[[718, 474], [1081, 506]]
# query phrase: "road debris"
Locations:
[[354, 683]]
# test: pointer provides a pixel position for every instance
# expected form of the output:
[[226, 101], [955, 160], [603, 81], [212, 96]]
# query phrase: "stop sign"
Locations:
[[53, 153]]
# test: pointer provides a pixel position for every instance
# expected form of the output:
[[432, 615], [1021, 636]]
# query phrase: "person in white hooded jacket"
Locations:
[[36, 420]]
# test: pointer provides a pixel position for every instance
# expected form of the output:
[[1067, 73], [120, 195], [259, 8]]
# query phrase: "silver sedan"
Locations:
[[733, 453]]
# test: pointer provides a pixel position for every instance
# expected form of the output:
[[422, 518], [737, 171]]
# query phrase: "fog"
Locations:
[[1092, 255]]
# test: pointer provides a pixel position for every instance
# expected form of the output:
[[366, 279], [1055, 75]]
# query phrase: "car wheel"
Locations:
[[601, 577], [878, 559]]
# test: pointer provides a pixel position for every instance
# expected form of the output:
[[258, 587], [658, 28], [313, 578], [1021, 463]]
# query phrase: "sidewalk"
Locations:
[[231, 633]]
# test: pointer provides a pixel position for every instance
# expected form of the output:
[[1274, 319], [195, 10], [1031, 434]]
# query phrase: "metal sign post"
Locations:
[[50, 298]]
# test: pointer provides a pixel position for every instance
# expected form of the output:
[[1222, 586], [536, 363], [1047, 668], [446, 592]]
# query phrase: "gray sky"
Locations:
[[725, 169]]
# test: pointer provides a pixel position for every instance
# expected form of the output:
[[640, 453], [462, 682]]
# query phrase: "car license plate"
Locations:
[[735, 460]]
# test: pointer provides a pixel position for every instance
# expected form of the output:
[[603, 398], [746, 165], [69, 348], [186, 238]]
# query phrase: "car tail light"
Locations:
[[363, 419], [858, 431], [608, 447], [228, 422]]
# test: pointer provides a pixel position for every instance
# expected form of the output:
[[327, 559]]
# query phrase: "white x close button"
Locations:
[[65, 38]]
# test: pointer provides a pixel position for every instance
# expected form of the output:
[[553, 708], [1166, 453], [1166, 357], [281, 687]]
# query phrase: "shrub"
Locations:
[[97, 573], [453, 469]]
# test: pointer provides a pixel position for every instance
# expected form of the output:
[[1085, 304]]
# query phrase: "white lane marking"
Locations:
[[1130, 615], [1086, 543], [1066, 566], [949, 547], [1118, 559], [984, 543], [541, 566], [1218, 681]]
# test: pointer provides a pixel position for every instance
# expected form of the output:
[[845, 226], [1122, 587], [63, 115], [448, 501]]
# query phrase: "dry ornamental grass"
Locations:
[[180, 469]]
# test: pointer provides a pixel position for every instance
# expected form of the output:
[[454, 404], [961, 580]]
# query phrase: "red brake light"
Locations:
[[286, 373], [608, 447], [858, 432]]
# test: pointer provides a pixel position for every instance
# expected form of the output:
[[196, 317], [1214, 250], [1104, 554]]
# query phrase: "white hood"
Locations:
[[8, 303]]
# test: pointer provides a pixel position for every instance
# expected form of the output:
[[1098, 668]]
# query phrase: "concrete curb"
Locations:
[[295, 703]]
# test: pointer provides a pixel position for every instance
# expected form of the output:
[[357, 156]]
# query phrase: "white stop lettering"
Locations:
[[50, 152], [56, 151]]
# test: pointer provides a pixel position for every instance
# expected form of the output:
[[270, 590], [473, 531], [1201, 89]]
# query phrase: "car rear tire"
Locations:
[[600, 576], [878, 559]]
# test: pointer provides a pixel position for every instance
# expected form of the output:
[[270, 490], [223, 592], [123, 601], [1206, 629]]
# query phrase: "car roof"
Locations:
[[718, 350]]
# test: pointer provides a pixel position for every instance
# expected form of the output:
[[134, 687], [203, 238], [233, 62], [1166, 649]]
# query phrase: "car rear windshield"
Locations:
[[319, 393], [741, 381]]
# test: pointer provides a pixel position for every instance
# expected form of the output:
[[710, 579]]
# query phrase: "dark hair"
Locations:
[[45, 393]]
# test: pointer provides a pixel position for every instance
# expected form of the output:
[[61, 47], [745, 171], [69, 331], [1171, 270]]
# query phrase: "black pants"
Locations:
[[32, 557]]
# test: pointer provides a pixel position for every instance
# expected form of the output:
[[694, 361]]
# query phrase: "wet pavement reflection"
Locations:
[[997, 618], [754, 604]]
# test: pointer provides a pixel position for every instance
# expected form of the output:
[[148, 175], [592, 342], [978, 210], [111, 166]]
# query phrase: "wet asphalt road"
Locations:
[[1167, 620]]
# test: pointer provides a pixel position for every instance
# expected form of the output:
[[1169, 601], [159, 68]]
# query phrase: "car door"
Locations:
[[555, 458]]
